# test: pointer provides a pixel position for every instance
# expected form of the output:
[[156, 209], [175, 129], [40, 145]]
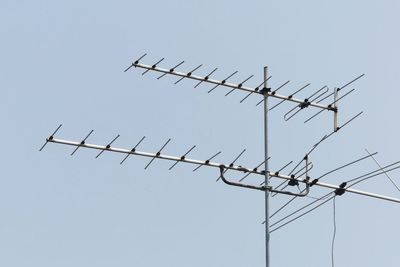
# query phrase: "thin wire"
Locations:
[[300, 209], [281, 208], [355, 180], [347, 164], [387, 175], [334, 231], [303, 214], [375, 172], [371, 176]]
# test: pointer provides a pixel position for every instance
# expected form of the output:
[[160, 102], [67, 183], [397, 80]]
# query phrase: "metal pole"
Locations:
[[267, 257]]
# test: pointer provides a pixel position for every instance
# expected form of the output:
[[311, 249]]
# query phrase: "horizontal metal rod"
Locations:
[[227, 84], [151, 155], [217, 165]]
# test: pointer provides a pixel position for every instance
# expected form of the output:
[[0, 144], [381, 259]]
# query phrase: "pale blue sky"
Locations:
[[63, 62]]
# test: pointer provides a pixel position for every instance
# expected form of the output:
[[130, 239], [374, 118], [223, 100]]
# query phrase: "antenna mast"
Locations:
[[294, 178], [267, 233]]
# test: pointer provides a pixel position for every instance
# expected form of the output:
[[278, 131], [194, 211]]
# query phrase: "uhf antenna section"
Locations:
[[314, 100], [224, 82]]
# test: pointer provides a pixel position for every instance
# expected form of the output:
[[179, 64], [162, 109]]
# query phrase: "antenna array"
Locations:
[[299, 175]]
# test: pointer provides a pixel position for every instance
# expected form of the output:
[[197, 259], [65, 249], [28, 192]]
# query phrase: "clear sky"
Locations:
[[63, 62]]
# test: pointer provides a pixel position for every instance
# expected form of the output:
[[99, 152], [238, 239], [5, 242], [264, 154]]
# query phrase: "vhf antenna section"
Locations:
[[294, 177]]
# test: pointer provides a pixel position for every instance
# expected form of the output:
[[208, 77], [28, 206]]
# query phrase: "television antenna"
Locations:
[[299, 175]]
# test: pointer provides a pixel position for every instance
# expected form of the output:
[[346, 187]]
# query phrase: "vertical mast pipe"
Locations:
[[267, 235]]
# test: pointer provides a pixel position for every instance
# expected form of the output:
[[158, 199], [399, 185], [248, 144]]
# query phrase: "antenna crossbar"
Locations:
[[218, 165], [240, 86], [154, 155]]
